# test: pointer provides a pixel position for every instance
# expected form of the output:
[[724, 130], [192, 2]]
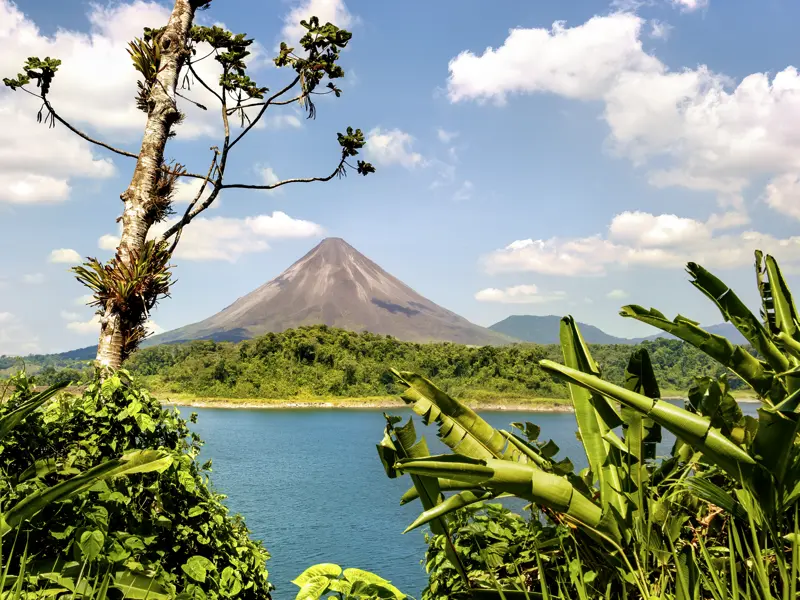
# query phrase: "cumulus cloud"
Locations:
[[392, 147], [659, 30], [690, 5], [15, 338], [108, 242], [446, 136], [92, 326], [783, 194], [707, 131], [153, 328], [617, 294], [33, 278], [226, 238], [660, 241], [83, 300], [518, 294], [37, 164], [186, 191], [65, 255], [333, 11]]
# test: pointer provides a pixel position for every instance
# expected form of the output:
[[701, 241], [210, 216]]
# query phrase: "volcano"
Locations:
[[335, 285]]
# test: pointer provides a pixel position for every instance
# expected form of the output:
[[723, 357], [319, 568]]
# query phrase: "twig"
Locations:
[[286, 181], [263, 109]]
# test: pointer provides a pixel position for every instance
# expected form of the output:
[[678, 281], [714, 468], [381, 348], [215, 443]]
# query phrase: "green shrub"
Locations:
[[171, 525]]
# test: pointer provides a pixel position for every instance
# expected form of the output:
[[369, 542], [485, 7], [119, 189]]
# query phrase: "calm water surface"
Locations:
[[310, 485]]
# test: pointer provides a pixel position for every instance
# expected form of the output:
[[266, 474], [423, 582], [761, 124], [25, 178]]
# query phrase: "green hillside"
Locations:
[[321, 361]]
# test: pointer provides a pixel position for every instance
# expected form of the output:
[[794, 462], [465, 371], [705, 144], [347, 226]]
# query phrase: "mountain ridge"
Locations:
[[544, 329]]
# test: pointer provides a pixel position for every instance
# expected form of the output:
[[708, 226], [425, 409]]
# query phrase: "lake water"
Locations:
[[310, 485]]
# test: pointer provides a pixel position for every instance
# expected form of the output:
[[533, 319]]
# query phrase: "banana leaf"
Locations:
[[400, 444], [460, 427], [735, 311], [595, 417], [735, 358], [689, 427], [641, 432], [521, 480], [786, 317]]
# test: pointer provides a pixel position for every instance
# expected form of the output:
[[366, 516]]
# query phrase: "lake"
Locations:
[[310, 485]]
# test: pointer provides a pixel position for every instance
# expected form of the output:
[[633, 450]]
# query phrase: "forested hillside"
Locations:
[[321, 361]]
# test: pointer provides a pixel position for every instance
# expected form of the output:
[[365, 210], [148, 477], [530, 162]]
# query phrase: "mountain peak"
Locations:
[[335, 285]]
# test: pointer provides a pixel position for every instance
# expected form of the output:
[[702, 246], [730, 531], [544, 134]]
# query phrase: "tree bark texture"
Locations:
[[137, 216]]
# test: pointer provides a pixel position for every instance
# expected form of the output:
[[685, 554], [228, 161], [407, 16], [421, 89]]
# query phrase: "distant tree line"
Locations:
[[322, 361]]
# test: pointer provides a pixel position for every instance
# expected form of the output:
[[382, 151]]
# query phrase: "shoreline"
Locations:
[[534, 406]]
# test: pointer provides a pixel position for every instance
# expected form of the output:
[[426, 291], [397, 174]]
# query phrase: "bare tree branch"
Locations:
[[81, 134], [263, 110], [178, 227], [272, 186], [203, 83]]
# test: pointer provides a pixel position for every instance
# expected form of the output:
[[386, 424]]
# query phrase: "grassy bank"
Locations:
[[479, 401]]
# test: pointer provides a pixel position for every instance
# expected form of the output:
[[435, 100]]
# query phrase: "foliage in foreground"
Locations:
[[322, 361], [168, 527], [719, 518], [344, 584]]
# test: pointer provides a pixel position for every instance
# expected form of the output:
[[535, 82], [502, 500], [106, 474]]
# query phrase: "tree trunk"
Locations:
[[138, 199]]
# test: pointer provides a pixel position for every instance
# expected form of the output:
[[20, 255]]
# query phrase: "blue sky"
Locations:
[[533, 157]]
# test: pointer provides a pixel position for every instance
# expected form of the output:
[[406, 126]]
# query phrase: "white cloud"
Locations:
[[283, 121], [37, 163], [783, 194], [464, 192], [392, 147], [579, 62], [690, 5], [659, 30], [268, 177], [617, 294], [328, 11], [225, 238], [446, 136], [15, 338], [518, 294], [708, 132], [108, 242], [69, 315], [663, 241], [92, 326], [83, 300], [65, 255], [33, 278], [153, 328], [186, 191]]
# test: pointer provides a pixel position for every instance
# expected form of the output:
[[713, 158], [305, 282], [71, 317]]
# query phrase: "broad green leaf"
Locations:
[[197, 567], [91, 543], [313, 588], [140, 461], [140, 587], [323, 569]]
